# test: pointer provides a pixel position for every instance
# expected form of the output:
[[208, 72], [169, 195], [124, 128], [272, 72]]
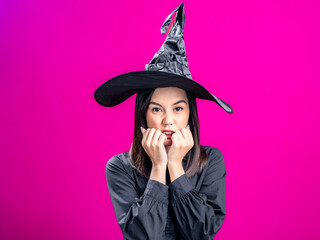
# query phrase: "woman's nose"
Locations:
[[168, 119]]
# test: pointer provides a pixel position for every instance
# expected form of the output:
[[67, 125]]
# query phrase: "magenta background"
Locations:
[[262, 57]]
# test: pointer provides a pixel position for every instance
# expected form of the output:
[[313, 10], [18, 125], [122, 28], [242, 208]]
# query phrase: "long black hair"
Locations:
[[196, 157]]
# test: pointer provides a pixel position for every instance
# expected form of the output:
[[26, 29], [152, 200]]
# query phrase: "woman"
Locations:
[[167, 186]]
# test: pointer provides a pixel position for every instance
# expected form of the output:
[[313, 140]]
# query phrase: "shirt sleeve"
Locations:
[[200, 213], [137, 215]]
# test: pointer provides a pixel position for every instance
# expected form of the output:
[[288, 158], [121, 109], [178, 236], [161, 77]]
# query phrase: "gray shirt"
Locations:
[[187, 208]]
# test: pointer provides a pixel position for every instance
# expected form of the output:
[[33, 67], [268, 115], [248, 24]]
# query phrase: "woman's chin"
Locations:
[[167, 142]]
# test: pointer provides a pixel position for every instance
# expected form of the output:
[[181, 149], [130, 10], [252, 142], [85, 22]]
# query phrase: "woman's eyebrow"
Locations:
[[180, 101]]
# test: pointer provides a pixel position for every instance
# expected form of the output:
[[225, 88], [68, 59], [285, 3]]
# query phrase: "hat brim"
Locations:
[[121, 87]]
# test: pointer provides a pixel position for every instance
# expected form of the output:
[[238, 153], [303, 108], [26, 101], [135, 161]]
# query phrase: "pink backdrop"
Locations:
[[56, 140]]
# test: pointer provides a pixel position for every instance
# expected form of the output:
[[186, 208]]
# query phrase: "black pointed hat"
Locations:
[[168, 68]]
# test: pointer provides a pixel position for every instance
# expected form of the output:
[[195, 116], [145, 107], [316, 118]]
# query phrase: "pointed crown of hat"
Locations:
[[172, 56]]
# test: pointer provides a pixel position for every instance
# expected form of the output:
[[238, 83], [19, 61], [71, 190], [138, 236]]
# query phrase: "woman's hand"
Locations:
[[182, 142], [153, 144]]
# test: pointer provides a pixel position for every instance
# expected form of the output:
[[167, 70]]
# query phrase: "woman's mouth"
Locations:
[[168, 136], [168, 133]]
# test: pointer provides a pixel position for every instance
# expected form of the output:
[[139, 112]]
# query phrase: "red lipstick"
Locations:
[[168, 133]]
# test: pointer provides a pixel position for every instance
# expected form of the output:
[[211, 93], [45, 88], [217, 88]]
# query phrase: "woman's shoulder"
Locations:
[[215, 157], [213, 152], [119, 160], [118, 169]]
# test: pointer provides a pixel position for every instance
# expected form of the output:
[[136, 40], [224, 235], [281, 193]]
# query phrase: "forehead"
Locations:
[[169, 93]]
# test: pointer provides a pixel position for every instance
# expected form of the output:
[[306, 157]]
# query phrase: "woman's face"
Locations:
[[168, 110]]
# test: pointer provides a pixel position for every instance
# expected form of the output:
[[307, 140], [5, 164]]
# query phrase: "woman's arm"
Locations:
[[200, 214], [139, 217]]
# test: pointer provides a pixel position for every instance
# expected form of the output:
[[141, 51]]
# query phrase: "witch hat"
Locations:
[[168, 68]]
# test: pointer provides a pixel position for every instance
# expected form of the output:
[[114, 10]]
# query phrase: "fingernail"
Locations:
[[188, 126], [141, 128]]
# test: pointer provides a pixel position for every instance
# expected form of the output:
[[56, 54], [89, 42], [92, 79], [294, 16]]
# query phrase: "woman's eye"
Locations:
[[178, 109], [156, 110]]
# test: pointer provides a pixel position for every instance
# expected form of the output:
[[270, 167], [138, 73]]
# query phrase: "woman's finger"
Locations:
[[156, 136], [162, 138], [144, 135], [190, 136], [180, 137], [175, 137], [142, 129], [185, 135], [150, 136]]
